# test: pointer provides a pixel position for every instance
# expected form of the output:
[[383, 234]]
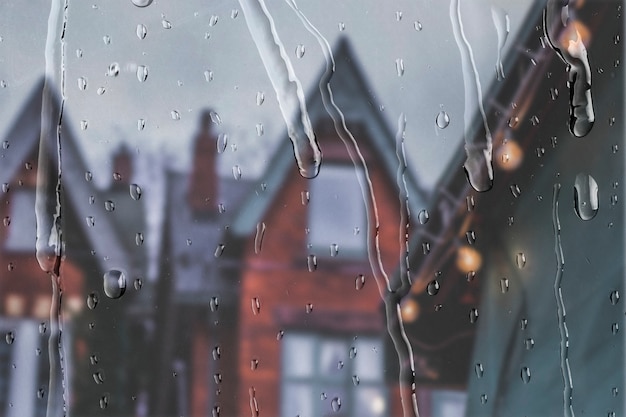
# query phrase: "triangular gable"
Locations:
[[22, 140], [353, 97]]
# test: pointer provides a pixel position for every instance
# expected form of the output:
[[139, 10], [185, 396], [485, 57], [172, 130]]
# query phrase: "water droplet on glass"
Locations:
[[82, 83], [114, 283], [417, 25], [98, 376], [84, 124], [305, 197], [554, 93], [138, 283], [359, 281], [478, 368], [473, 315], [237, 172], [41, 392], [529, 343], [175, 115], [336, 404], [91, 222], [109, 205], [9, 337], [104, 401], [260, 98], [442, 120], [423, 216], [280, 335], [259, 129], [43, 328], [504, 285], [79, 53], [614, 328], [470, 236], [92, 300], [352, 352], [300, 50], [142, 73], [525, 374], [256, 306], [309, 308], [215, 118], [142, 31], [141, 124], [142, 3], [483, 399], [433, 287], [586, 200], [258, 239], [355, 380], [139, 239], [614, 297], [515, 190], [520, 260], [400, 67], [166, 24], [311, 262], [213, 20], [219, 250], [334, 250], [135, 191], [106, 39], [114, 70], [101, 90], [234, 13], [208, 76]]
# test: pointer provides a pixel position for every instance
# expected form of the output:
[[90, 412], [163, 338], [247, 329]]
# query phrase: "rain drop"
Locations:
[[219, 250], [142, 3], [529, 343], [208, 76], [141, 31], [41, 393], [442, 120], [82, 83], [614, 297], [520, 260], [525, 374], [336, 404], [104, 401], [300, 50], [135, 192], [334, 250], [586, 199], [101, 90], [106, 39], [311, 262], [142, 73], [175, 115], [43, 327], [92, 300], [504, 285], [473, 315], [234, 13], [400, 67], [222, 142], [423, 216], [352, 353], [433, 287], [84, 124], [359, 281], [109, 205], [260, 98], [141, 124], [138, 283], [417, 25], [515, 190], [139, 239], [114, 70], [9, 337], [90, 221], [213, 20], [166, 24], [256, 306], [114, 283], [98, 376], [237, 172], [258, 238]]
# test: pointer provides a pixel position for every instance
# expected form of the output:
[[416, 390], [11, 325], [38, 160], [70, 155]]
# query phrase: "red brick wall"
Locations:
[[279, 278]]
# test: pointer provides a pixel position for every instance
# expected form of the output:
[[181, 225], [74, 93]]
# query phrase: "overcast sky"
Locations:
[[185, 39]]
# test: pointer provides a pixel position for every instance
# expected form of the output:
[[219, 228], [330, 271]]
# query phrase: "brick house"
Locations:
[[90, 249], [311, 329]]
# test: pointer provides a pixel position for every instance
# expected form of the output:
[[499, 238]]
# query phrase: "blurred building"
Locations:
[[505, 346]]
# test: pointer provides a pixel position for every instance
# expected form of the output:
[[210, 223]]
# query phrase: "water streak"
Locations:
[[503, 27], [48, 209], [568, 411], [478, 145], [286, 84], [567, 42], [390, 296]]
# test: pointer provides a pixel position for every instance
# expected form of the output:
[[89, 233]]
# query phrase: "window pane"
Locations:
[[299, 355], [369, 359], [371, 402], [297, 400], [336, 211], [22, 233], [333, 354]]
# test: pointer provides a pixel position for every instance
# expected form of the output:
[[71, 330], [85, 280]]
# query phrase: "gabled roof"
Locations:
[[23, 139], [354, 98]]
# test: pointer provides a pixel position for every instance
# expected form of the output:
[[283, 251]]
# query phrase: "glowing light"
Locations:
[[409, 310], [468, 259]]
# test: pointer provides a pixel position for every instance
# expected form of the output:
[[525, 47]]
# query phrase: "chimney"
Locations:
[[202, 192]]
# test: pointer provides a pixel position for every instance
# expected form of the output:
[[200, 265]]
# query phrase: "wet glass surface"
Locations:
[[317, 208]]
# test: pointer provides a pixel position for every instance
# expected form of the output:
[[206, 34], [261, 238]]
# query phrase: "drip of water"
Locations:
[[391, 297], [568, 411], [567, 42], [503, 27], [479, 147], [48, 208], [286, 84]]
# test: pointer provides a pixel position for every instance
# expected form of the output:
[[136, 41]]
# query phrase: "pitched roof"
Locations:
[[354, 98], [23, 139]]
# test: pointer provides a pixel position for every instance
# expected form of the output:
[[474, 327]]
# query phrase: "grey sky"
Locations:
[[177, 58]]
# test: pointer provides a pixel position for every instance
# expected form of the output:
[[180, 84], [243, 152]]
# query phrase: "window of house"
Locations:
[[21, 224], [337, 214], [325, 375]]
